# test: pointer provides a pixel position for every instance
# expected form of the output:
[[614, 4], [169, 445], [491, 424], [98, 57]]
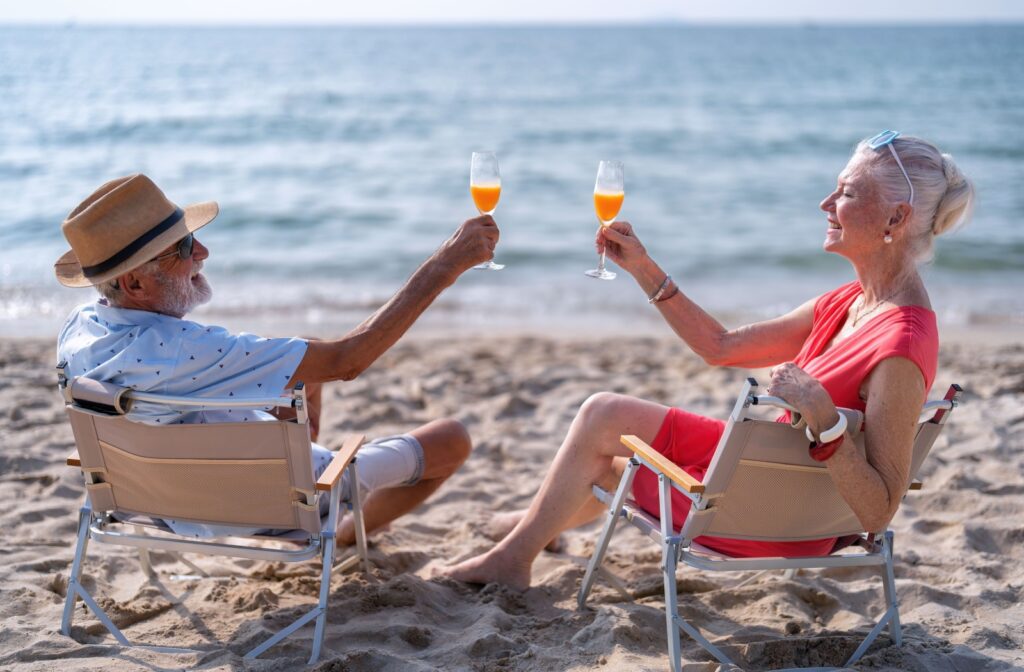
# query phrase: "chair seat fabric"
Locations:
[[689, 440]]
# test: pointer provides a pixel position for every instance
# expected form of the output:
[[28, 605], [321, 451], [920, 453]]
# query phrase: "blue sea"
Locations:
[[340, 159]]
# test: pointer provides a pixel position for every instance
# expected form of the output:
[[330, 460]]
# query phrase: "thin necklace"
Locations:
[[858, 315]]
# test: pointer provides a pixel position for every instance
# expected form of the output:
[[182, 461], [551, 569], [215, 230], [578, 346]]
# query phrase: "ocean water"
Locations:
[[340, 159]]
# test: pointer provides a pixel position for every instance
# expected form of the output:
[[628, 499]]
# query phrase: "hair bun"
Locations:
[[955, 207], [954, 178]]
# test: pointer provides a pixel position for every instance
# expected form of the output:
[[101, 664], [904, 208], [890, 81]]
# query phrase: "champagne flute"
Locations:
[[485, 188], [609, 190]]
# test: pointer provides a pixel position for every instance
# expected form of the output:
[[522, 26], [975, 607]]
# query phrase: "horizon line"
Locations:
[[540, 23]]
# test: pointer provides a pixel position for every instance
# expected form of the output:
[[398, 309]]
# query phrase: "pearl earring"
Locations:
[[887, 238]]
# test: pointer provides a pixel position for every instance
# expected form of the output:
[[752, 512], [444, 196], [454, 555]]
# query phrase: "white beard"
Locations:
[[182, 294]]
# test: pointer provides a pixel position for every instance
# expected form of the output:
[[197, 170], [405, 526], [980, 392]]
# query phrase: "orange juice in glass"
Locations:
[[607, 204], [609, 192], [485, 196], [485, 188]]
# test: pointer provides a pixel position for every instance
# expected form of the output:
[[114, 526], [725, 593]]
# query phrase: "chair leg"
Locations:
[[895, 631], [891, 617], [84, 515], [147, 566], [669, 557], [357, 517], [75, 589], [606, 534], [328, 537], [325, 589], [668, 567]]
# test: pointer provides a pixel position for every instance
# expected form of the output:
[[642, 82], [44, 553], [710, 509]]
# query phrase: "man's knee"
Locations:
[[446, 445], [458, 443]]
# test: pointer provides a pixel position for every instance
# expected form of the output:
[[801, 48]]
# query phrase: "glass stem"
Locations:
[[600, 264]]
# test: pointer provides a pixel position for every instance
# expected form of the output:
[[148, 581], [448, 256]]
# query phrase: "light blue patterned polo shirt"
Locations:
[[157, 353]]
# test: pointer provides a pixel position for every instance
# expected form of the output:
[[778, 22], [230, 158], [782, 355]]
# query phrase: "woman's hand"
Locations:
[[803, 391], [621, 245]]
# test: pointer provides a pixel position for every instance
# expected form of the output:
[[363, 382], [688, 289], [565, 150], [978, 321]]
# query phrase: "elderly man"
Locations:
[[140, 252]]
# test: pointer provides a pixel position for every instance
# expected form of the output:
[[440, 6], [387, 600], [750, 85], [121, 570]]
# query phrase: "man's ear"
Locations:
[[132, 285]]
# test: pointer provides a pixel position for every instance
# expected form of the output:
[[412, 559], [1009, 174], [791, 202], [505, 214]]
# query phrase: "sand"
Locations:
[[959, 542]]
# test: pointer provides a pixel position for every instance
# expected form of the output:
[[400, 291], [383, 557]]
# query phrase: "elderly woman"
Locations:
[[871, 344]]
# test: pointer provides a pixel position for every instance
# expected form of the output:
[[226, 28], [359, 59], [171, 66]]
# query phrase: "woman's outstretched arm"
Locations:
[[751, 346]]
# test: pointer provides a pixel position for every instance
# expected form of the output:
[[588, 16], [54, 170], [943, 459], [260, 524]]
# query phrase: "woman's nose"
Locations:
[[826, 204]]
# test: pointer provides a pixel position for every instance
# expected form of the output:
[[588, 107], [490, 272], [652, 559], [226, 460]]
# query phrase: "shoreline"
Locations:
[[592, 328]]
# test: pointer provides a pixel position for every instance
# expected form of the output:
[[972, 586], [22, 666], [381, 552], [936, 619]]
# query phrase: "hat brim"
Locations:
[[69, 270]]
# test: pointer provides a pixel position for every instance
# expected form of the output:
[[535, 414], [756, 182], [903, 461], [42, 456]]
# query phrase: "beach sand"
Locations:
[[959, 541]]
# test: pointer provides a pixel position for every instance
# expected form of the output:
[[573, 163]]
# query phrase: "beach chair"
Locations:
[[761, 484], [256, 475]]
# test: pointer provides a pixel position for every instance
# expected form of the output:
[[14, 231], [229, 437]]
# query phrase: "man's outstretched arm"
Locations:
[[347, 357]]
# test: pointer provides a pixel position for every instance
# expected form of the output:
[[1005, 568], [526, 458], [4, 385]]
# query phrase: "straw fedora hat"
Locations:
[[121, 226]]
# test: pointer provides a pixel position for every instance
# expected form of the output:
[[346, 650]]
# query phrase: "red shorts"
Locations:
[[689, 440]]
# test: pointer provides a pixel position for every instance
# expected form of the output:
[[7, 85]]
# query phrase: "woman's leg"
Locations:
[[564, 498], [503, 522]]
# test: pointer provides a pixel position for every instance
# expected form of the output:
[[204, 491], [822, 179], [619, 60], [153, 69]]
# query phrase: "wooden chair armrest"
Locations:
[[74, 460], [673, 471], [339, 462], [915, 485]]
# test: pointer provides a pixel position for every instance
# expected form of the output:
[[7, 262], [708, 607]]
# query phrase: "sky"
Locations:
[[506, 11]]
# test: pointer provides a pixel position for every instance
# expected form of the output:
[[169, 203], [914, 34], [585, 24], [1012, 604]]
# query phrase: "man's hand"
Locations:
[[621, 245], [472, 243]]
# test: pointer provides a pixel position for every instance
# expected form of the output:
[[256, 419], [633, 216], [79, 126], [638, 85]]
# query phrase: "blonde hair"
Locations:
[[943, 195]]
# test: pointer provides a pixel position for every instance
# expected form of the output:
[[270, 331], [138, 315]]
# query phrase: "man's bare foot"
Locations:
[[500, 524], [491, 567], [345, 533]]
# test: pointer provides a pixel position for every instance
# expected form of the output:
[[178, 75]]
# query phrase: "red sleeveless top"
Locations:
[[690, 440]]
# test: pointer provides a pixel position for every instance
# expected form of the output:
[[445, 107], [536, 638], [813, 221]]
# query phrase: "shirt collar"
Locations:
[[130, 316]]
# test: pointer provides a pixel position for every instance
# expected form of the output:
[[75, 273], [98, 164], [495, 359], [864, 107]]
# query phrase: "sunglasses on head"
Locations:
[[885, 139], [183, 249]]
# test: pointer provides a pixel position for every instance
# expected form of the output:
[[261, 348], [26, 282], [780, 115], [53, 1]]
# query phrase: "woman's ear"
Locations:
[[902, 214]]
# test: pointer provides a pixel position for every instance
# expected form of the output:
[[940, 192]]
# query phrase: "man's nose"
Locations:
[[199, 251]]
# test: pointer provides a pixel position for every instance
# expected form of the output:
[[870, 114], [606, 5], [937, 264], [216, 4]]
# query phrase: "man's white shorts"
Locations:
[[387, 462]]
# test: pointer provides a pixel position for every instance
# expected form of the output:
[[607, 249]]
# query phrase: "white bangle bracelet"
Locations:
[[830, 434]]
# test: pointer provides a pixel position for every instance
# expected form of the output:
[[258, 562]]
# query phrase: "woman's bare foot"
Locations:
[[491, 567], [500, 524]]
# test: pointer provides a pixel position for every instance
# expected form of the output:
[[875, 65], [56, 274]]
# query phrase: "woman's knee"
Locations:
[[602, 409]]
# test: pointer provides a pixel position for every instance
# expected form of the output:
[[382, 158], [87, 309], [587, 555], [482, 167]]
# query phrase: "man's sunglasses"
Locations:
[[183, 249], [885, 139]]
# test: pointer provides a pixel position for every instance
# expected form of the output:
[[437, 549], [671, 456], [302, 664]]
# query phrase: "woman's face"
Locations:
[[855, 211]]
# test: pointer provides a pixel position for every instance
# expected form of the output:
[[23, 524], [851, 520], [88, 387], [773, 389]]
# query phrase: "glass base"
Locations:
[[489, 266], [600, 274]]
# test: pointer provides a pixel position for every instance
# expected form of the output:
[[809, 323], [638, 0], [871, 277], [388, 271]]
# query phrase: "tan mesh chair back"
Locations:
[[763, 485], [256, 474]]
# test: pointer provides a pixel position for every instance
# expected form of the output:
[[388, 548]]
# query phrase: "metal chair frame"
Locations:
[[103, 527], [677, 548]]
